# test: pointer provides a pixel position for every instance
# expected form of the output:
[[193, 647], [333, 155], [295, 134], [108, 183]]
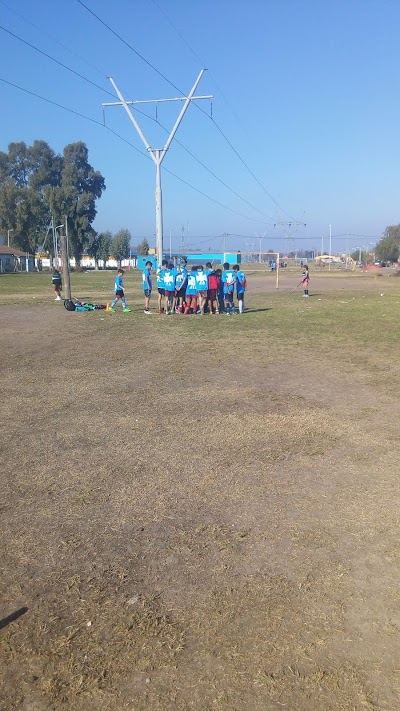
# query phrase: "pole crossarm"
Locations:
[[157, 154], [154, 101]]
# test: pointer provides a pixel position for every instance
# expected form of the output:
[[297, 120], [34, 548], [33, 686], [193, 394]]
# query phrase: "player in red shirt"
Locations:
[[212, 292]]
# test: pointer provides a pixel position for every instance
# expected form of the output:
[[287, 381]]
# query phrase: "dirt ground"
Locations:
[[201, 514]]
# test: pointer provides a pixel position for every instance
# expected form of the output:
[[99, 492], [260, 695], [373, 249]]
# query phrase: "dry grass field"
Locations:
[[201, 513]]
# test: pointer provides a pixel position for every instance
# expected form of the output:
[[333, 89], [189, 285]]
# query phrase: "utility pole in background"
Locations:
[[225, 235], [260, 239], [330, 246], [182, 239], [157, 154]]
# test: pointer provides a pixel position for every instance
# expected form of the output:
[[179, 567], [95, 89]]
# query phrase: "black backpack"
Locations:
[[69, 305]]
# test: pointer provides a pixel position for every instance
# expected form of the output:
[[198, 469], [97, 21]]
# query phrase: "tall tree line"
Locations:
[[36, 185]]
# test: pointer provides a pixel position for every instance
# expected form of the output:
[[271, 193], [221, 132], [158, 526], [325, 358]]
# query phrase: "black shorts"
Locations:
[[57, 284], [170, 295], [181, 294], [161, 291], [228, 298], [119, 293], [240, 296]]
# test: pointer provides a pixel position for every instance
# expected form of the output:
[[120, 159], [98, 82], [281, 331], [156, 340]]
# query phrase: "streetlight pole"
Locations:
[[330, 246], [8, 237]]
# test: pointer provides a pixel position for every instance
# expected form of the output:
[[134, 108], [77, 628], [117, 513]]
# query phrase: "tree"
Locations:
[[76, 197], [361, 255], [37, 185], [387, 249], [100, 248], [143, 248], [25, 175], [121, 245]]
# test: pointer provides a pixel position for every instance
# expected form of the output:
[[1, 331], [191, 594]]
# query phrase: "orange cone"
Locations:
[[108, 306]]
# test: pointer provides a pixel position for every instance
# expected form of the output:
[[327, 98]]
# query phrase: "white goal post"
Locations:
[[259, 262]]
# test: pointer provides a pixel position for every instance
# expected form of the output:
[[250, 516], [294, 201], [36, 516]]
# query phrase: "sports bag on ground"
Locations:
[[69, 304]]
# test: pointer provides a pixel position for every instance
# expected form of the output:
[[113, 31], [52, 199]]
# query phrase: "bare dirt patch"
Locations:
[[200, 514]]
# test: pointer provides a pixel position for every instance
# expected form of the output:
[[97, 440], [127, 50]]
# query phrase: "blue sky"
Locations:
[[305, 90]]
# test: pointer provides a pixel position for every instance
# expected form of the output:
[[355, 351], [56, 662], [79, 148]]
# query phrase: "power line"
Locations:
[[61, 64], [205, 166], [53, 38], [248, 168], [222, 182], [127, 44], [81, 76], [210, 198], [149, 64], [54, 103], [99, 123], [227, 103]]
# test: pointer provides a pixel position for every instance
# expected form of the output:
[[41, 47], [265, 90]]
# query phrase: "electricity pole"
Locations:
[[225, 235], [157, 154], [330, 246], [65, 260], [260, 239]]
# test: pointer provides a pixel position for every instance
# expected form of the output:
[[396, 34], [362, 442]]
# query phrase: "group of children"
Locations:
[[197, 291]]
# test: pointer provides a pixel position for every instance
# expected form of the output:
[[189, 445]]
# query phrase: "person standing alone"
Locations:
[[306, 279], [57, 283], [241, 286], [119, 292]]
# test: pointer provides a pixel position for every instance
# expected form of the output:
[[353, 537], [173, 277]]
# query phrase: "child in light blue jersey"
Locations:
[[241, 286], [191, 292], [169, 286], [229, 280], [147, 286], [181, 275], [119, 292], [160, 284], [202, 287]]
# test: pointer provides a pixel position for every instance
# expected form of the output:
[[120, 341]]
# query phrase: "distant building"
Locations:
[[15, 260]]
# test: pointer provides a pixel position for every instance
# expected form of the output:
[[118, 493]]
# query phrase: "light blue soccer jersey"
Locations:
[[160, 278], [169, 280], [241, 282], [147, 283], [201, 280], [229, 280], [191, 289], [181, 277], [119, 283]]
